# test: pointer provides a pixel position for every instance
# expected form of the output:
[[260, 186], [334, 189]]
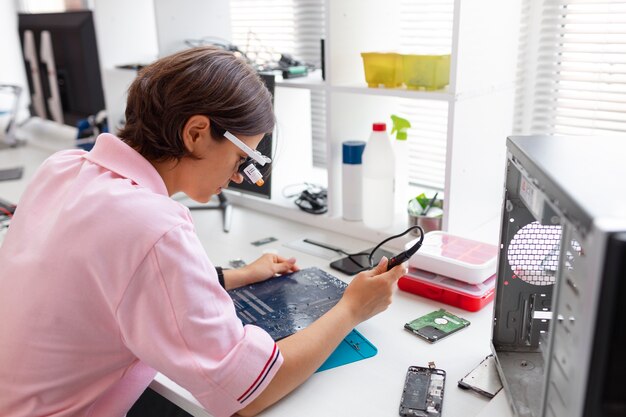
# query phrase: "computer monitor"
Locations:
[[265, 191], [62, 66], [265, 147]]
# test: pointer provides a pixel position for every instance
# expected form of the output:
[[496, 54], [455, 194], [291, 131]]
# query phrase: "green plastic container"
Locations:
[[427, 72]]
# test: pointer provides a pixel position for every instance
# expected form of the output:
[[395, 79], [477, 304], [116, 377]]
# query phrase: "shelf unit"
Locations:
[[480, 100]]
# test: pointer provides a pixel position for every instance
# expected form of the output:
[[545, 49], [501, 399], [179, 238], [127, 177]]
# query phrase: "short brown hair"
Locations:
[[204, 80]]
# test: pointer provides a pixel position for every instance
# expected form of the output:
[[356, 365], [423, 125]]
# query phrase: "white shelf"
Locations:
[[286, 209], [443, 94], [313, 81]]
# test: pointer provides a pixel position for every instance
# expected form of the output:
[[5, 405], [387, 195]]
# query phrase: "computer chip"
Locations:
[[436, 325]]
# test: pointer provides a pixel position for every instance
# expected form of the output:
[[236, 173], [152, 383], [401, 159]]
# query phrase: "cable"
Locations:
[[335, 249], [409, 252], [313, 199], [396, 260]]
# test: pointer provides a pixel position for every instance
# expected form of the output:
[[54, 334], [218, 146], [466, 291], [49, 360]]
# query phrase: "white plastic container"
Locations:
[[378, 179], [455, 257], [352, 179], [401, 152]]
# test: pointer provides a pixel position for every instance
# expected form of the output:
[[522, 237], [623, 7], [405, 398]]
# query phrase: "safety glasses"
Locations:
[[248, 168]]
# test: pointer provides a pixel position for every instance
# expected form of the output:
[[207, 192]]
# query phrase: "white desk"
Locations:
[[370, 387]]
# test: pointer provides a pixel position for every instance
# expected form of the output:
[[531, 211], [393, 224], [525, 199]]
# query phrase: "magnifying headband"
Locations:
[[248, 168], [257, 156]]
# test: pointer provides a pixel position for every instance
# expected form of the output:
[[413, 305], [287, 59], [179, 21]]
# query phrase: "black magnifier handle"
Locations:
[[397, 260]]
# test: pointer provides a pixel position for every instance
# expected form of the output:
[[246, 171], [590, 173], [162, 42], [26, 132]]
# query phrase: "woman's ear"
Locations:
[[195, 130]]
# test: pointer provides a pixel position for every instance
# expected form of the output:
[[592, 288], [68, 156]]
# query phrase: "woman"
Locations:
[[103, 281]]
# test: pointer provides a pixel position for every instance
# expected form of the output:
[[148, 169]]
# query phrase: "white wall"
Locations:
[[179, 20], [12, 68], [126, 33]]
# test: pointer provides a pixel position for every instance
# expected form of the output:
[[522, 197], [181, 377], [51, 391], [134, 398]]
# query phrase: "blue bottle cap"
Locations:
[[352, 152]]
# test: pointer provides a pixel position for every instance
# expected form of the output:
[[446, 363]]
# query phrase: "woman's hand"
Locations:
[[263, 268], [370, 292]]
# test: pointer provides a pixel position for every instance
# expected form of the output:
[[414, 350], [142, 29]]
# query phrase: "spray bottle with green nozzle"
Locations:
[[401, 151], [400, 125]]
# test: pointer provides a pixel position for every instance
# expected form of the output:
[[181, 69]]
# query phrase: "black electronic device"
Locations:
[[422, 395], [353, 264], [265, 147], [62, 66]]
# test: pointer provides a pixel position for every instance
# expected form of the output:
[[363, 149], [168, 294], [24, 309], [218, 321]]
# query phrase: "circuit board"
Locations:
[[423, 392], [288, 303], [436, 325]]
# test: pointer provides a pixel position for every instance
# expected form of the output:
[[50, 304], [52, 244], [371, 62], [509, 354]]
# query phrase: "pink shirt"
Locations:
[[103, 281]]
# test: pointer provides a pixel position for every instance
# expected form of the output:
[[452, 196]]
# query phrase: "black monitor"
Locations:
[[265, 147], [62, 66], [265, 191]]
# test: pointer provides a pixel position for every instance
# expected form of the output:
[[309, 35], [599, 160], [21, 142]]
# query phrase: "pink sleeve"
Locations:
[[178, 319]]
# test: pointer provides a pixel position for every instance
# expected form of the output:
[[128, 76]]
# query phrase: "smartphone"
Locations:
[[422, 395], [351, 265]]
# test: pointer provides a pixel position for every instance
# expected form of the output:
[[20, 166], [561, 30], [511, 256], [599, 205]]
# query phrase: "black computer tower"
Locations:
[[559, 325]]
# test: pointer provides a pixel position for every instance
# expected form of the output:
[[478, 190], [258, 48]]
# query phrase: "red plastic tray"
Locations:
[[425, 287]]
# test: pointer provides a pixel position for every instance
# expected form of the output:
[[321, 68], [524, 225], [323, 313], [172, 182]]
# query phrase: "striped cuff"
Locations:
[[269, 365]]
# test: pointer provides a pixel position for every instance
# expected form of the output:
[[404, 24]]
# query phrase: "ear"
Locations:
[[195, 130]]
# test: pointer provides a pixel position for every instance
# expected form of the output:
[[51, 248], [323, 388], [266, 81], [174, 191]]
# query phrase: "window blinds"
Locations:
[[572, 68], [426, 27], [266, 28]]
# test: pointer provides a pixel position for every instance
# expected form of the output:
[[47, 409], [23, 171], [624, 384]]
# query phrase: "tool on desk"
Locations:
[[325, 246], [11, 173], [304, 247], [264, 241], [423, 390], [406, 255], [430, 204], [237, 263], [436, 325]]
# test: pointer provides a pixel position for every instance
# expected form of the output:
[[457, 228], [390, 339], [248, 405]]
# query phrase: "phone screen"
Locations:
[[352, 265]]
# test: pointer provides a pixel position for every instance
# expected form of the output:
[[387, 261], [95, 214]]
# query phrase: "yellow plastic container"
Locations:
[[382, 69], [428, 72]]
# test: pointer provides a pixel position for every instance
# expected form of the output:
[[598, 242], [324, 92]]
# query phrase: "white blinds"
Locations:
[[266, 28], [297, 26], [572, 68], [426, 27]]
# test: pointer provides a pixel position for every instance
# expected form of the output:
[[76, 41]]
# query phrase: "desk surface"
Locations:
[[371, 387]]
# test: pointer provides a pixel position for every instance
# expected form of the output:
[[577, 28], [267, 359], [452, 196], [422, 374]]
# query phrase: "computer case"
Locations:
[[559, 325]]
